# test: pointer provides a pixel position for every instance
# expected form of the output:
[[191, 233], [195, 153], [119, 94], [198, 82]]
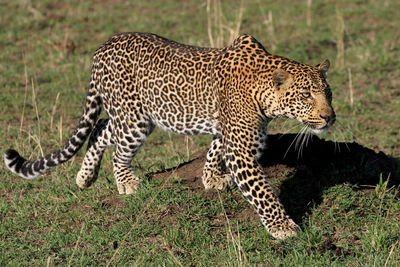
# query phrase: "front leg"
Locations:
[[214, 172], [252, 182]]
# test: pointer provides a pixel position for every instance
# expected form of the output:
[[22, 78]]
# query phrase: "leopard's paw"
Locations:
[[284, 229], [129, 187], [219, 182], [85, 178]]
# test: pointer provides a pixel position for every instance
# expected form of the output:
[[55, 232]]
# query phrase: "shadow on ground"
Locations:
[[303, 178]]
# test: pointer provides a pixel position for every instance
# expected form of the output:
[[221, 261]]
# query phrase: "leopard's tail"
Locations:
[[31, 169]]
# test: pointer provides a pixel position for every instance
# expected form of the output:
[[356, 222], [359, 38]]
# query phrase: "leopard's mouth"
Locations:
[[318, 127], [324, 129]]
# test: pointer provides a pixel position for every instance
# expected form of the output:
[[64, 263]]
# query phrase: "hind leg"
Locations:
[[214, 172], [99, 140], [130, 135]]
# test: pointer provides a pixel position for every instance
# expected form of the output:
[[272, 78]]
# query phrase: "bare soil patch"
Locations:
[[300, 179]]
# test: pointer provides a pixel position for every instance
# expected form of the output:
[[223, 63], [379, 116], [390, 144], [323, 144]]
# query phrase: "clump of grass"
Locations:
[[222, 32]]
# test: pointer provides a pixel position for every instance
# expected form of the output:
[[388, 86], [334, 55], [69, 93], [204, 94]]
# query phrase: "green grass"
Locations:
[[50, 221]]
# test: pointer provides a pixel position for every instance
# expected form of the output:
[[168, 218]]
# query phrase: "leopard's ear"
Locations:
[[280, 77], [324, 66]]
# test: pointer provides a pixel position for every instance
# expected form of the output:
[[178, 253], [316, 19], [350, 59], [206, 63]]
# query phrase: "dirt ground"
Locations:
[[300, 179]]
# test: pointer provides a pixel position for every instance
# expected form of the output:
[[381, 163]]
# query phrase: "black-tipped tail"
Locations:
[[31, 169], [18, 164]]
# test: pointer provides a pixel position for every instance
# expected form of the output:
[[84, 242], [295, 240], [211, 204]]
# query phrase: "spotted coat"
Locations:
[[143, 80]]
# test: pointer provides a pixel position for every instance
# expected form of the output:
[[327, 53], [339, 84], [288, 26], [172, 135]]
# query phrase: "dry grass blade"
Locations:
[[391, 252], [48, 261], [241, 257], [234, 31], [76, 245], [60, 131], [269, 26], [36, 139], [166, 245], [340, 30], [188, 142], [350, 87], [216, 22], [53, 111], [309, 13], [25, 94], [34, 101], [209, 24]]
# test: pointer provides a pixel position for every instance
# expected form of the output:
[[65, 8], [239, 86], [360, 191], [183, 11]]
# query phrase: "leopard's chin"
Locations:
[[320, 130]]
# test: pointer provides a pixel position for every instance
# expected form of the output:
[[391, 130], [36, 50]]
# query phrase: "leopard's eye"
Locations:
[[306, 94]]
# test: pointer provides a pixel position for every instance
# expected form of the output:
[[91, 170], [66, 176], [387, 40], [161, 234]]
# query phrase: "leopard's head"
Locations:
[[279, 87], [303, 94]]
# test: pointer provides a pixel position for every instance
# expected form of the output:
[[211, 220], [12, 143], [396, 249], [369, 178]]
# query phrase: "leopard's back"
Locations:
[[171, 82]]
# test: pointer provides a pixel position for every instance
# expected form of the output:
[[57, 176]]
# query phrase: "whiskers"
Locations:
[[295, 126], [301, 140], [338, 133]]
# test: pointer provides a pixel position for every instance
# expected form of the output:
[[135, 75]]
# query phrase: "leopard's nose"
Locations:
[[328, 118]]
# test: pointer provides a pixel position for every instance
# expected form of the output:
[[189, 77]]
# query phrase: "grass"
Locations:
[[45, 59]]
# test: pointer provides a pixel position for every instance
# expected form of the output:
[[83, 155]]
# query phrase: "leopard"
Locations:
[[144, 81]]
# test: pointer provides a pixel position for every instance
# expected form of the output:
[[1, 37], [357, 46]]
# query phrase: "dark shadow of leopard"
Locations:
[[321, 165]]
